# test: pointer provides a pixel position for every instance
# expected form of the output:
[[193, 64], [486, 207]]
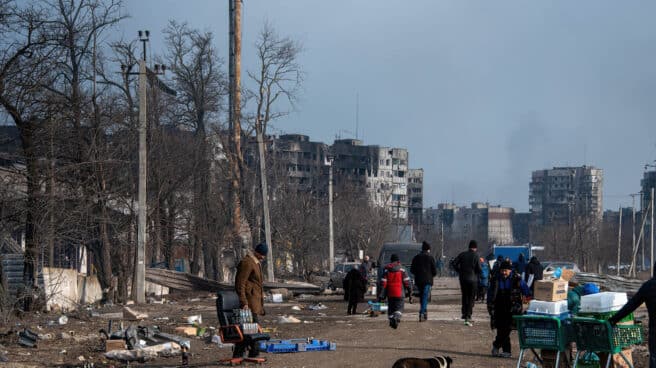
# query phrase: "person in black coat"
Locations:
[[468, 267], [533, 273], [355, 285], [424, 270], [646, 294]]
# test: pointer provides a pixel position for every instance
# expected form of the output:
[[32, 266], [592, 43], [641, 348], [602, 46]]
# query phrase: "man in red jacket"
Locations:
[[394, 282]]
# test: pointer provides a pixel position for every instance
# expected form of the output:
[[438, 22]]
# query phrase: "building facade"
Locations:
[[559, 195], [415, 195], [487, 224]]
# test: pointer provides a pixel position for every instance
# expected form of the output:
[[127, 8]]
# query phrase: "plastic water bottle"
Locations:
[[557, 273], [531, 365]]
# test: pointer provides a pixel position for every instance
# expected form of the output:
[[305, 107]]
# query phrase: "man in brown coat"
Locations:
[[248, 282]]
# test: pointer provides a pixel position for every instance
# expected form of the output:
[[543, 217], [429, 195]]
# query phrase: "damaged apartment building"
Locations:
[[559, 195], [382, 172], [481, 221]]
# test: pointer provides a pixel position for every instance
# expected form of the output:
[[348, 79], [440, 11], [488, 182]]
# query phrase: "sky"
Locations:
[[480, 92]]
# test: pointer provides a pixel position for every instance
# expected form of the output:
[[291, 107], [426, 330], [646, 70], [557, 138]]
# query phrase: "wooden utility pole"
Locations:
[[234, 66], [619, 242]]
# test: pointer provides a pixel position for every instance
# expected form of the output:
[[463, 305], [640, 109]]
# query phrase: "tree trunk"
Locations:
[[31, 250]]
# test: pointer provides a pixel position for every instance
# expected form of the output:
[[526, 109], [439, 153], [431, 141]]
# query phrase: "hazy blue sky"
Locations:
[[479, 92]]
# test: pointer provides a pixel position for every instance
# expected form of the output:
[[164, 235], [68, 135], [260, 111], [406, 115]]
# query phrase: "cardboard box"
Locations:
[[550, 290], [618, 362], [114, 345], [567, 274]]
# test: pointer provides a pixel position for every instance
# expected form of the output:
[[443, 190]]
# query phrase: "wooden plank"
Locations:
[[187, 282]]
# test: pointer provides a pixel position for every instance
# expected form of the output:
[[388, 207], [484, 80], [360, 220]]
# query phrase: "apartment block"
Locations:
[[415, 195], [559, 195]]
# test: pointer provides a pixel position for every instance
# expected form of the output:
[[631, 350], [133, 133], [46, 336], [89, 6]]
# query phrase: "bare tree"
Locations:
[[276, 82], [201, 87]]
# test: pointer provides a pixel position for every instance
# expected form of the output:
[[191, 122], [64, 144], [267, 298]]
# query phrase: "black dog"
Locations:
[[435, 362]]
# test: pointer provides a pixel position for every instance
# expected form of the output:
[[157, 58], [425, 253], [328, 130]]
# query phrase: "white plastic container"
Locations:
[[549, 308], [602, 302]]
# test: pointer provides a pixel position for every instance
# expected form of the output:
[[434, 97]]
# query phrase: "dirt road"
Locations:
[[362, 341]]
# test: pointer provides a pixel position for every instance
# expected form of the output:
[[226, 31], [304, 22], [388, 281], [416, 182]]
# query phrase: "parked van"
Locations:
[[406, 252]]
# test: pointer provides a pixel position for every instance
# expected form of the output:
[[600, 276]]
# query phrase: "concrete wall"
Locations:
[[65, 289]]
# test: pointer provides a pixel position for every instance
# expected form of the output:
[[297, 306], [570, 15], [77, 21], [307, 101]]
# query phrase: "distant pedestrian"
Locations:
[[355, 286], [424, 270], [521, 265], [504, 301], [483, 280], [365, 267], [395, 282], [439, 265], [495, 267], [533, 273], [468, 267]]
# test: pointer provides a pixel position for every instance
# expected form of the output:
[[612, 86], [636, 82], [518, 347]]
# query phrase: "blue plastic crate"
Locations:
[[296, 346]]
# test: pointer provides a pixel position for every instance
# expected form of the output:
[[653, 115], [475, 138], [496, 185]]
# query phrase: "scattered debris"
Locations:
[[65, 335], [114, 345], [162, 319], [284, 292], [318, 306], [116, 315], [81, 358], [27, 338], [288, 319], [187, 330], [194, 319], [216, 339], [177, 339], [133, 315], [168, 349], [46, 336], [62, 320], [296, 308], [194, 300], [305, 296], [276, 298]]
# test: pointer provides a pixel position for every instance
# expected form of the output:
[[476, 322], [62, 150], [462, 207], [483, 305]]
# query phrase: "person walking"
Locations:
[[521, 265], [646, 294], [248, 286], [424, 270], [504, 300], [355, 285], [394, 282], [533, 273], [468, 267], [483, 280]]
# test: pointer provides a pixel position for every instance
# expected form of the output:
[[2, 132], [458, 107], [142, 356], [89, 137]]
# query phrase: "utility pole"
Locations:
[[442, 237], [265, 197], [619, 242], [139, 279], [633, 240], [234, 71], [331, 239], [139, 291], [651, 232]]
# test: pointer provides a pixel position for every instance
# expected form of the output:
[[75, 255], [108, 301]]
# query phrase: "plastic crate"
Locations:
[[541, 307], [377, 307], [296, 346], [599, 336], [540, 332], [605, 316], [602, 302]]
